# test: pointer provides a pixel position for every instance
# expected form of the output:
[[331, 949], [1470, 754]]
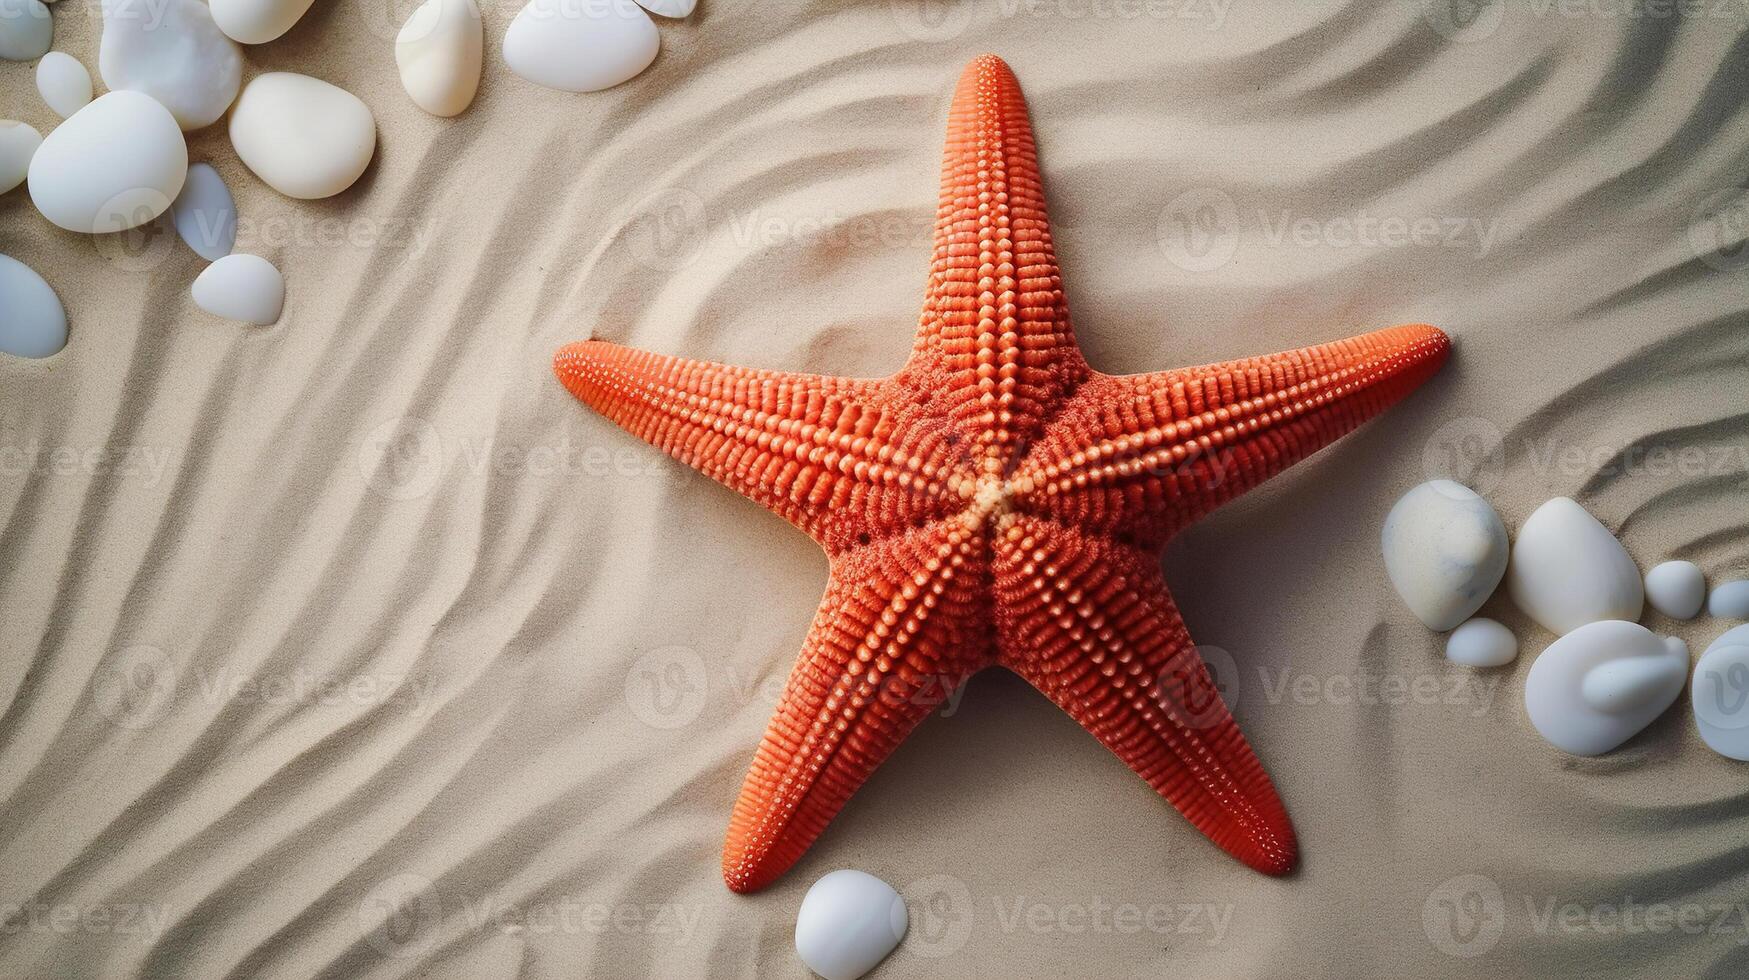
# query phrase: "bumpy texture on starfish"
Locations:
[[999, 502]]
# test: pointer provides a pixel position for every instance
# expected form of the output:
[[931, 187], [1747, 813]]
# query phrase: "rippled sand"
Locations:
[[354, 647]]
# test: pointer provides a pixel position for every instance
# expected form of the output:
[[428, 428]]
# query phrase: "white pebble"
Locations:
[[1481, 642], [26, 30], [1720, 694], [172, 51], [580, 45], [35, 325], [241, 287], [304, 137], [1729, 600], [849, 921], [1445, 550], [204, 213], [438, 52], [113, 165], [1676, 588], [257, 21], [64, 83], [1568, 570], [18, 143], [1593, 688]]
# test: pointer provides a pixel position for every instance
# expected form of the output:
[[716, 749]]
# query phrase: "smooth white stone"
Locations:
[[669, 8], [172, 51], [257, 21], [1677, 589], [1592, 689], [18, 143], [204, 213], [1730, 600], [1481, 642], [304, 137], [113, 165], [26, 30], [1445, 550], [34, 323], [848, 922], [1720, 694], [1568, 570], [439, 51], [241, 287], [64, 83], [580, 45]]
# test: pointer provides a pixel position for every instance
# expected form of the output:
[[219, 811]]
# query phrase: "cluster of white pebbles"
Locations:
[[120, 161], [1606, 677]]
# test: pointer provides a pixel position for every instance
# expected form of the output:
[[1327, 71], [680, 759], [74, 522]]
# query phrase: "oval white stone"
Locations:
[[113, 165], [438, 52], [580, 45], [172, 51], [257, 21], [18, 143], [1481, 642], [1720, 694], [64, 83], [34, 324], [304, 137], [848, 922], [1445, 550], [26, 30], [1677, 589], [1729, 600], [1592, 689], [1568, 570], [204, 213], [241, 287]]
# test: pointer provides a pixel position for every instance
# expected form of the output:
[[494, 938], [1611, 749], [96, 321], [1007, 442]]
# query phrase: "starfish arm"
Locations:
[[899, 629], [816, 450], [1146, 454], [995, 338], [1091, 625]]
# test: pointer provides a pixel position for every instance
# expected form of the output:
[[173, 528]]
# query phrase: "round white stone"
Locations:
[[204, 213], [18, 143], [1445, 550], [1729, 600], [1568, 570], [1481, 642], [113, 165], [241, 287], [580, 45], [1592, 689], [848, 922], [26, 30], [257, 21], [64, 83], [34, 324], [1676, 588], [669, 8], [172, 51], [1720, 694], [304, 137], [438, 53]]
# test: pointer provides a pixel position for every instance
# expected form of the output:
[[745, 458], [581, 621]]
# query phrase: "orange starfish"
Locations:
[[999, 502]]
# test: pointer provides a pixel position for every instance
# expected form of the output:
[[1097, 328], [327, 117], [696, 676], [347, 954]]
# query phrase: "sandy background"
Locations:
[[354, 647]]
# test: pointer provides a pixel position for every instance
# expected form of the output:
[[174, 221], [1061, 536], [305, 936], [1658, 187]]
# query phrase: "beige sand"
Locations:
[[355, 647]]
